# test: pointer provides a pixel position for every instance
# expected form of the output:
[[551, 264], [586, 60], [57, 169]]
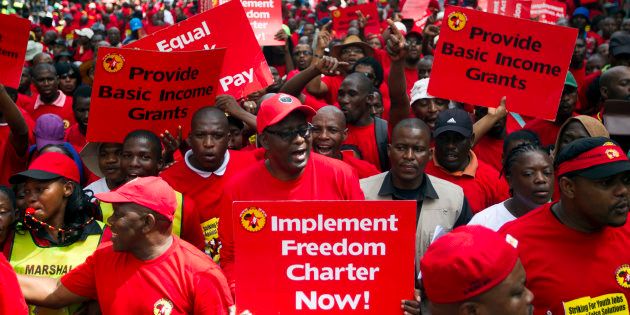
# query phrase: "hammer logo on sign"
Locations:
[[163, 307], [113, 62], [253, 219], [622, 275], [456, 21]]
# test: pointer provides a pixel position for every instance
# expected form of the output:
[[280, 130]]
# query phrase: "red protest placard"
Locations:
[[13, 38], [245, 69], [324, 257], [489, 56], [341, 19], [548, 11], [414, 9], [265, 17], [497, 6], [138, 89], [518, 8]]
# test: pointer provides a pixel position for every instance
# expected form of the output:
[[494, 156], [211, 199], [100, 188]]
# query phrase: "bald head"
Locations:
[[364, 84], [208, 113], [333, 114], [615, 83], [42, 58], [412, 123]]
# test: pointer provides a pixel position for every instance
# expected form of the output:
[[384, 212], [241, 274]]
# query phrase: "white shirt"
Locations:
[[99, 186], [493, 217], [220, 171]]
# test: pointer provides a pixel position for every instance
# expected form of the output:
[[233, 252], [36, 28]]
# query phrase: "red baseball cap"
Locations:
[[277, 107], [465, 263], [49, 166], [151, 192]]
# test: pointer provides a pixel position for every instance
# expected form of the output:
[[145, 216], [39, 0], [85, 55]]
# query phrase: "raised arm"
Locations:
[[397, 51], [483, 125], [16, 122]]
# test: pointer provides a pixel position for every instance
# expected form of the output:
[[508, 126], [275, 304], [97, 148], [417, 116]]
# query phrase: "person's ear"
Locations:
[[389, 151], [566, 186], [149, 223], [604, 92], [344, 135], [68, 189], [264, 141]]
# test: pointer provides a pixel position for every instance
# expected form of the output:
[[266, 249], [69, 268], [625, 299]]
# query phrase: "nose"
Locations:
[[622, 189], [529, 296], [408, 155], [110, 220], [432, 106], [540, 178], [30, 198], [208, 143]]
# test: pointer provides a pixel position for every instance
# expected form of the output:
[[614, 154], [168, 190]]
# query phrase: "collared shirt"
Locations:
[[425, 190], [59, 102], [220, 171], [470, 170]]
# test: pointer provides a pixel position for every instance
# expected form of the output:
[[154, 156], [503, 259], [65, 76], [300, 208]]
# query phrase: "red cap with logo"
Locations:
[[151, 192], [277, 107], [465, 263], [49, 166]]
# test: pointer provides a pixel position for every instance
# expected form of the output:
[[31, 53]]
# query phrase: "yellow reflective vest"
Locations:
[[27, 258]]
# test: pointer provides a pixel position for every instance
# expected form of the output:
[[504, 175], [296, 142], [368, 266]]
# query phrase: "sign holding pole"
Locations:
[[245, 69], [324, 257], [13, 39], [488, 56], [137, 89]]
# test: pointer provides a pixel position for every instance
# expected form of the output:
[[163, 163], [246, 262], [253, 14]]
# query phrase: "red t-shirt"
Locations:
[[182, 276], [364, 138], [323, 178], [563, 264], [546, 130], [333, 83], [363, 168], [65, 112], [24, 100], [490, 151], [11, 298], [481, 184], [75, 137], [411, 76], [206, 192], [10, 161]]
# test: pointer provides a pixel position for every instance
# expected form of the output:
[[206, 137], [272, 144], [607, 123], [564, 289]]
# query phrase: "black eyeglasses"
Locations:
[[303, 131], [305, 53]]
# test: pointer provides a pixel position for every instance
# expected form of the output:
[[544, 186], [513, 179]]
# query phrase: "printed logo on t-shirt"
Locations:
[[253, 219], [607, 304], [612, 153], [623, 276], [163, 306]]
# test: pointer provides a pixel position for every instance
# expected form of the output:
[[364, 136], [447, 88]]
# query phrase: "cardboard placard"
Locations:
[[518, 8], [324, 257], [488, 56], [138, 89], [342, 17], [265, 17], [245, 69], [13, 40], [414, 9], [548, 11]]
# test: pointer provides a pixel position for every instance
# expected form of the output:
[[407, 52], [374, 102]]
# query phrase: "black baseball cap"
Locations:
[[453, 120], [619, 44], [592, 158]]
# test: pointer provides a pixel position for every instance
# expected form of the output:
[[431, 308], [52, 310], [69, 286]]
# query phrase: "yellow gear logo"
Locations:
[[113, 62], [163, 307], [336, 13], [253, 219], [612, 153], [622, 275], [456, 21]]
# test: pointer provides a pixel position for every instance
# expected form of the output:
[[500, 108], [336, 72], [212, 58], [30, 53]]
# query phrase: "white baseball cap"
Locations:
[[419, 90]]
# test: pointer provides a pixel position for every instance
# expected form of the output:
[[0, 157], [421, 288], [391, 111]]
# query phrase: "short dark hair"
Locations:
[[378, 69], [524, 135], [84, 91], [153, 139], [516, 152]]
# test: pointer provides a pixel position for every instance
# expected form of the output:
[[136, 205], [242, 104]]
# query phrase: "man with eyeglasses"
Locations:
[[50, 99], [329, 132], [288, 172]]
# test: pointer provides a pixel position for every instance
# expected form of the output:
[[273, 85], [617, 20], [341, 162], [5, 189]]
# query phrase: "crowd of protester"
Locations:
[[537, 209]]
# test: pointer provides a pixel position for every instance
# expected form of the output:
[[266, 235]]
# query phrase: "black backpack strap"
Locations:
[[380, 130]]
